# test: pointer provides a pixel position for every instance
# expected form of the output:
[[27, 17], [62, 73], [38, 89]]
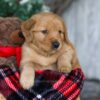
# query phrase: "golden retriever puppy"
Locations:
[[46, 47]]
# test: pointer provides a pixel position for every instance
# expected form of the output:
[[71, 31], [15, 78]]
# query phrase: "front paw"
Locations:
[[2, 97], [65, 69], [27, 80]]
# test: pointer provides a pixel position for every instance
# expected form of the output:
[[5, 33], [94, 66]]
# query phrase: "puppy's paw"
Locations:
[[65, 69], [2, 97], [27, 80]]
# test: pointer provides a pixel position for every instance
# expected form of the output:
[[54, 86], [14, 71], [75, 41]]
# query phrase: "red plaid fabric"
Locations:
[[49, 85]]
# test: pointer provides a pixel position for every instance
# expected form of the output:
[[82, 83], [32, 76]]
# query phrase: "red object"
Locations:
[[7, 51]]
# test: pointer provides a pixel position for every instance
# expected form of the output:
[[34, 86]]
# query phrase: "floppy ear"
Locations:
[[66, 39], [26, 27]]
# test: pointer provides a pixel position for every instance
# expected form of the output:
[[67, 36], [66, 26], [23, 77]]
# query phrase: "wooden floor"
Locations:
[[91, 90]]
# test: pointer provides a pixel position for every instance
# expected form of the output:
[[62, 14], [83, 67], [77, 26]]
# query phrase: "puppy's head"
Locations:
[[46, 31]]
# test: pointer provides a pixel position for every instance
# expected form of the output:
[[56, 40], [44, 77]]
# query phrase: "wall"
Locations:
[[83, 22]]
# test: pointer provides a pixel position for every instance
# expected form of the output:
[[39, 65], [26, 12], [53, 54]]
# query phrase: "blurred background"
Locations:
[[82, 17]]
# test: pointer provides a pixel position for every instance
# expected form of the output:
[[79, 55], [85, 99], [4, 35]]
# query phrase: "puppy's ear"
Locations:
[[26, 27], [66, 39]]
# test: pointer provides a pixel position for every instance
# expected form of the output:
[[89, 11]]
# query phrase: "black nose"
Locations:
[[55, 44]]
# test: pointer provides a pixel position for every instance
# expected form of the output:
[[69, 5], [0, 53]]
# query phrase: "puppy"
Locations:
[[46, 46]]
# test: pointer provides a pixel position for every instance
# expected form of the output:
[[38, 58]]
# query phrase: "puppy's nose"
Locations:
[[55, 44]]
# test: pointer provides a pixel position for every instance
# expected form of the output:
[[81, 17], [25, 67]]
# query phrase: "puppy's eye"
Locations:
[[44, 31], [60, 32]]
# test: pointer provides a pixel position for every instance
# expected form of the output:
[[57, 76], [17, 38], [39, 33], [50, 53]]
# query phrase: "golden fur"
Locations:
[[37, 52], [2, 97]]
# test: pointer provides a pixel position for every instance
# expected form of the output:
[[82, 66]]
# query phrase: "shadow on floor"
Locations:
[[91, 90]]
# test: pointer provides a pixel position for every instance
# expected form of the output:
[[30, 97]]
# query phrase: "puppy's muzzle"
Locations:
[[55, 44]]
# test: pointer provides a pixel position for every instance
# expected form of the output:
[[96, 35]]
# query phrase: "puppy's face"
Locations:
[[46, 31]]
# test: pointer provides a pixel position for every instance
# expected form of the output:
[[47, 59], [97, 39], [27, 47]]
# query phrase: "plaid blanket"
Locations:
[[49, 85]]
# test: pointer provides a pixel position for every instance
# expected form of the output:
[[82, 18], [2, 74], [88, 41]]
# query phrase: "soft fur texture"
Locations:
[[2, 97], [40, 31], [9, 31]]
